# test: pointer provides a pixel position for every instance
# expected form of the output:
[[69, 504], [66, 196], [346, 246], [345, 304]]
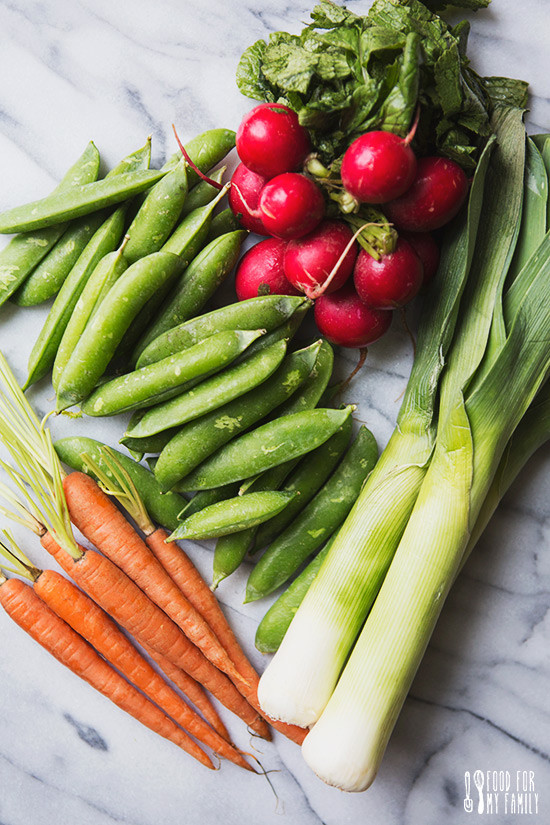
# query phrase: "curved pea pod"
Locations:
[[44, 351], [306, 480], [231, 516], [224, 221], [164, 508], [267, 311], [150, 444], [267, 446], [275, 623], [196, 441], [158, 214], [51, 273], [212, 393], [316, 523], [106, 272], [106, 329], [169, 377], [24, 252], [81, 200], [138, 159], [205, 150], [203, 193], [198, 283]]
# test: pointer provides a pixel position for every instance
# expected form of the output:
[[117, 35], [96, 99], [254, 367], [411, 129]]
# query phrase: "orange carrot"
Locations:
[[25, 607], [122, 599], [91, 622], [184, 573], [191, 688], [102, 523]]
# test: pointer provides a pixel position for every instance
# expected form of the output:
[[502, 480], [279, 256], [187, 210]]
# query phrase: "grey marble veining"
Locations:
[[115, 72]]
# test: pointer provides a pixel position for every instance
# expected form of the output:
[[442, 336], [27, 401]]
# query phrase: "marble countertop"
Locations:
[[115, 72]]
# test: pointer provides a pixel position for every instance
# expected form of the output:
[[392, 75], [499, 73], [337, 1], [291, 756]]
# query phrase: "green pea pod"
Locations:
[[276, 621], [231, 516], [164, 508], [198, 283], [199, 439], [106, 272], [24, 252], [158, 214], [169, 377], [224, 221], [138, 159], [229, 553], [101, 337], [81, 200], [203, 193], [212, 393], [267, 446], [316, 523], [189, 237], [306, 480], [104, 240], [204, 498], [267, 311], [205, 150], [50, 274]]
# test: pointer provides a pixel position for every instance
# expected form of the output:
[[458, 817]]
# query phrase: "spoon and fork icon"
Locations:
[[479, 781]]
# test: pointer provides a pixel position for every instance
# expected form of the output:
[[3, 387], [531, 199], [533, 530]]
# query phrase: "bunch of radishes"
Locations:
[[309, 252]]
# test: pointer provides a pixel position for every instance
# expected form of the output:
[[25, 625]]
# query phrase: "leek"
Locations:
[[346, 745], [300, 679]]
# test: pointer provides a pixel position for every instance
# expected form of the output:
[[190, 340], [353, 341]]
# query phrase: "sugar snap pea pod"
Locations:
[[203, 193], [276, 621], [106, 329], [198, 283], [205, 150], [212, 393], [224, 221], [231, 516], [316, 523], [267, 311], [198, 439], [80, 200], [104, 240], [306, 480], [106, 272], [266, 446], [138, 159], [158, 214], [164, 508], [169, 377], [52, 271], [24, 252], [204, 498], [152, 444]]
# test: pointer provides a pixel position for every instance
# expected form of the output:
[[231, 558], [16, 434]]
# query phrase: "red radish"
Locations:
[[427, 249], [260, 271], [310, 260], [390, 282], [437, 193], [345, 320], [378, 167], [270, 140], [244, 196], [291, 206]]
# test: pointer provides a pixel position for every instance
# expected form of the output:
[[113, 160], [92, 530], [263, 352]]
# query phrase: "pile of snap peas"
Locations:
[[223, 403], [119, 255]]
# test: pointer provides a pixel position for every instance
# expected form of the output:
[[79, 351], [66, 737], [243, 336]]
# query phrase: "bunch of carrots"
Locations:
[[145, 585]]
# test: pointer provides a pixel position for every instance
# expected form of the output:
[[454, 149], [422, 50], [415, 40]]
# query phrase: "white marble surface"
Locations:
[[114, 72]]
